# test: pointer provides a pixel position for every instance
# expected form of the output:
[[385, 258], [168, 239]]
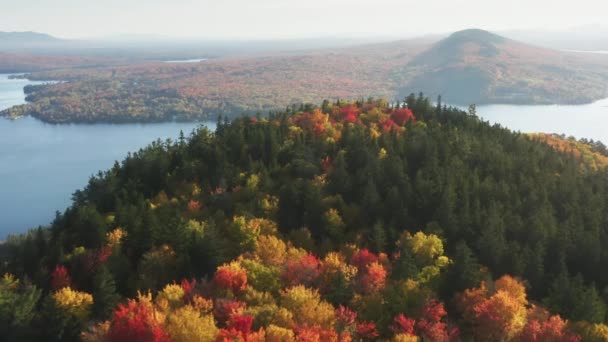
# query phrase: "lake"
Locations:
[[589, 51], [196, 60], [581, 121], [41, 164]]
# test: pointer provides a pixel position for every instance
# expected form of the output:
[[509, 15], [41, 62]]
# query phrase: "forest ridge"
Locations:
[[471, 66], [346, 221]]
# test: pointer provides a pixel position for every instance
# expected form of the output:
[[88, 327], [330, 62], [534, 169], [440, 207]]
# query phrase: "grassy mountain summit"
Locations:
[[357, 220]]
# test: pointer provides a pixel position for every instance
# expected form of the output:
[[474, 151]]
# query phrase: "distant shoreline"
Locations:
[[179, 61], [599, 52]]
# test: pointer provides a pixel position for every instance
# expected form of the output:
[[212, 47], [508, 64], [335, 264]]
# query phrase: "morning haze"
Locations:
[[263, 19]]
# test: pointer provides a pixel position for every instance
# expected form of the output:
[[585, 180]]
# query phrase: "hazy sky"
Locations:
[[291, 18]]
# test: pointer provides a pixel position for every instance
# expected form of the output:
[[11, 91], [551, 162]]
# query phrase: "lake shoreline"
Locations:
[[43, 164]]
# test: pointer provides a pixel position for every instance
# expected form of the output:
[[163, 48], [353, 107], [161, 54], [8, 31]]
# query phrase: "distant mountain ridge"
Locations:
[[27, 37]]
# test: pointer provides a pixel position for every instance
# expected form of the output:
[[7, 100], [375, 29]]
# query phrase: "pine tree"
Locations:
[[104, 293], [379, 237]]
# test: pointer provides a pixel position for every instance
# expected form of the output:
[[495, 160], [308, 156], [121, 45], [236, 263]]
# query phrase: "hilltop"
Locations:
[[476, 66], [357, 221]]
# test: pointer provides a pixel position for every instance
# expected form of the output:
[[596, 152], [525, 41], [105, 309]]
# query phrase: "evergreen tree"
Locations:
[[104, 293]]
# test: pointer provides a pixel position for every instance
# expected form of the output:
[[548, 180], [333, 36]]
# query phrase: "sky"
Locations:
[[279, 19]]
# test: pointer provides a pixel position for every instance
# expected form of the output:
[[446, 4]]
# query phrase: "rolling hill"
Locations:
[[476, 66]]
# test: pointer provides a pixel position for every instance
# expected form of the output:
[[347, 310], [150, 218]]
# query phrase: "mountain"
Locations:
[[477, 66]]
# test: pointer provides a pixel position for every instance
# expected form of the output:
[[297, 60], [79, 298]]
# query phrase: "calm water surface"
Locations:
[[41, 165], [581, 121], [196, 60]]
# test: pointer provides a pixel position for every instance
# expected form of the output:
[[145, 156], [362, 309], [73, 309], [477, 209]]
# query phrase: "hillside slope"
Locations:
[[346, 221]]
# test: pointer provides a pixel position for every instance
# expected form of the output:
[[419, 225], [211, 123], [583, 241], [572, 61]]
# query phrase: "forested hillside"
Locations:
[[344, 222]]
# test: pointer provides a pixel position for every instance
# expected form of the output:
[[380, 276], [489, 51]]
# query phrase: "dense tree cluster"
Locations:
[[349, 221]]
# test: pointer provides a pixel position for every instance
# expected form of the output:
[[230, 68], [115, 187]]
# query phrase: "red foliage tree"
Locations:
[[345, 316], [367, 330], [363, 258], [430, 324], [373, 279], [188, 287], [103, 254], [60, 278], [304, 271], [551, 330], [225, 309], [403, 325], [312, 121], [135, 322], [315, 334], [230, 278], [319, 129], [388, 124], [194, 206], [228, 335], [241, 323], [93, 258], [434, 311], [401, 116], [348, 113]]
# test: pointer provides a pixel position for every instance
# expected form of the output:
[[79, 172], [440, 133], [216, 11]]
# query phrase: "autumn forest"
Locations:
[[347, 221]]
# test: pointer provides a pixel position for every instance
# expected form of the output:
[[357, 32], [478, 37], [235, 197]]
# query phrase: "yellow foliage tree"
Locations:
[[187, 325], [307, 307], [264, 226], [591, 332], [115, 237], [75, 303], [513, 287], [271, 250], [172, 294], [424, 247], [427, 251], [406, 338], [278, 334]]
